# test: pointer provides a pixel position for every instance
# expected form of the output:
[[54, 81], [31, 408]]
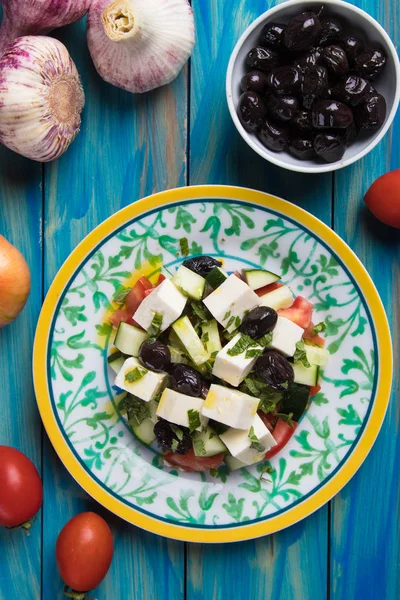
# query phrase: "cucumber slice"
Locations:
[[282, 297], [305, 375], [116, 363], [189, 283], [211, 333], [258, 278], [233, 463], [175, 342], [316, 355], [177, 356], [129, 339], [145, 432], [190, 340], [210, 443], [216, 277], [295, 401]]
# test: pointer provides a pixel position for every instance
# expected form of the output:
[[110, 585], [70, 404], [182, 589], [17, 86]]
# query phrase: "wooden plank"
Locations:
[[365, 525], [20, 224], [129, 146], [292, 563]]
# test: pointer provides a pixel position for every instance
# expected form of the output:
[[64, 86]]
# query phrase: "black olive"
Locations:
[[274, 136], [302, 120], [201, 265], [254, 81], [275, 370], [165, 437], [371, 62], [352, 46], [251, 110], [334, 57], [204, 390], [329, 146], [352, 90], [328, 114], [155, 355], [282, 108], [259, 321], [309, 59], [263, 59], [185, 380], [350, 134], [302, 31], [372, 113], [332, 30], [272, 35], [285, 81], [301, 148], [314, 85]]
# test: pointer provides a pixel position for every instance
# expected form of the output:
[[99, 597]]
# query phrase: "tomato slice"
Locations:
[[268, 288], [282, 433], [120, 316], [315, 339], [314, 389], [268, 420], [300, 312], [160, 279], [190, 462]]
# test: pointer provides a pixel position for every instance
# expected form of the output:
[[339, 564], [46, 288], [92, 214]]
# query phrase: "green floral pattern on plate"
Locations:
[[87, 403]]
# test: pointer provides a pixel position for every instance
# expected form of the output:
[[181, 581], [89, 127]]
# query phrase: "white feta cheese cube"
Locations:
[[147, 387], [166, 300], [285, 336], [234, 369], [230, 407], [174, 407], [239, 443], [230, 301]]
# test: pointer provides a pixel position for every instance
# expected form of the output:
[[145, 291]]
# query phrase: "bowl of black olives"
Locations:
[[313, 86]]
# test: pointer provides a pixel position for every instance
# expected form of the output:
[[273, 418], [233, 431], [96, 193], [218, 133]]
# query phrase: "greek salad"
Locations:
[[215, 367]]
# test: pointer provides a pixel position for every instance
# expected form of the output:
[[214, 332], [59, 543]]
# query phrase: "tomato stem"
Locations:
[[26, 526], [70, 593]]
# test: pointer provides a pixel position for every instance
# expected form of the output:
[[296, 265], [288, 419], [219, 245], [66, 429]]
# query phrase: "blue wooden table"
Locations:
[[132, 146]]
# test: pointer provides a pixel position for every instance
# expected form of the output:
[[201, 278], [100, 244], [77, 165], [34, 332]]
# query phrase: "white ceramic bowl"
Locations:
[[388, 84]]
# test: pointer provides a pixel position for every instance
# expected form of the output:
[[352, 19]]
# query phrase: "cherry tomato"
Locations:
[[84, 551], [21, 491], [383, 198], [268, 288], [314, 389], [311, 337], [190, 462], [282, 433], [300, 312]]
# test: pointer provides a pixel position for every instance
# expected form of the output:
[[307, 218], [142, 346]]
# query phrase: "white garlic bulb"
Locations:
[[139, 45], [41, 98]]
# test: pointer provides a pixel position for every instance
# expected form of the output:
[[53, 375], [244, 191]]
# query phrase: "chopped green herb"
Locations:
[[120, 296], [205, 338], [194, 419], [184, 244], [229, 336], [285, 385], [238, 322], [265, 340], [300, 355], [177, 431], [227, 315], [246, 312], [213, 472], [253, 352], [135, 374], [214, 354], [287, 418], [174, 445], [137, 410], [241, 345], [319, 328], [255, 386], [255, 442], [199, 447], [266, 469], [114, 356], [155, 327], [201, 311], [230, 322], [212, 435]]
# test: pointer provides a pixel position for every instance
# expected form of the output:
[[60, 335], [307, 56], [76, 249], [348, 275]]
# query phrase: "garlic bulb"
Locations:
[[41, 98], [139, 45], [22, 17]]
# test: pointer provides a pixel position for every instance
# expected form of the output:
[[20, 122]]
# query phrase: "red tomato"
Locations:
[[383, 198], [282, 433], [84, 551], [315, 339], [300, 312], [268, 420], [120, 316], [268, 288], [160, 279], [21, 491], [314, 389], [147, 292], [238, 275], [136, 295], [190, 462]]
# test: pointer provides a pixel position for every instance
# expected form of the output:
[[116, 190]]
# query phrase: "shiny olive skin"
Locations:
[[329, 146], [251, 110], [259, 321], [371, 62], [352, 90], [254, 81], [154, 355], [372, 113], [302, 31], [262, 59], [275, 370], [285, 81], [202, 265], [165, 437], [350, 134], [301, 148], [352, 46], [282, 108], [315, 85], [334, 57], [274, 136], [302, 120], [309, 59], [328, 114], [332, 31], [272, 35], [185, 380]]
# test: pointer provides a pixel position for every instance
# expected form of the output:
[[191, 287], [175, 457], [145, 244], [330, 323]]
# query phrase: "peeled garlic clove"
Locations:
[[139, 45], [41, 98], [22, 17]]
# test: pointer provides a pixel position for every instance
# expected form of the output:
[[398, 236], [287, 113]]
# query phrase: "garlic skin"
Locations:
[[140, 45], [23, 17], [41, 98]]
